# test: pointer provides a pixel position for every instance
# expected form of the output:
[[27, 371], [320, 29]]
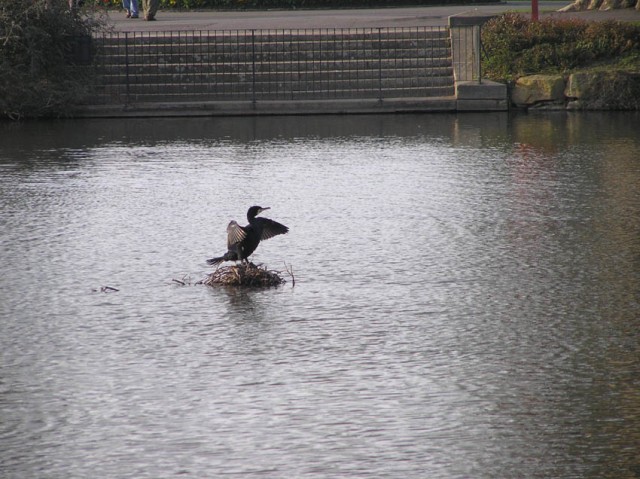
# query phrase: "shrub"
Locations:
[[38, 74], [516, 46]]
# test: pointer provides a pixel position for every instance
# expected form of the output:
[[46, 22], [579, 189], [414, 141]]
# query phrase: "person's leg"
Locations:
[[152, 8], [145, 8], [134, 8], [126, 6]]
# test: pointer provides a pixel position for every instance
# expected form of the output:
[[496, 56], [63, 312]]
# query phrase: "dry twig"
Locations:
[[289, 269]]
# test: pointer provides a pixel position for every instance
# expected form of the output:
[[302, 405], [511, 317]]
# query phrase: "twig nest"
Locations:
[[244, 274]]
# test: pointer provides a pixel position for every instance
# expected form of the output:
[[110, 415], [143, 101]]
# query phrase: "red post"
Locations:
[[534, 10]]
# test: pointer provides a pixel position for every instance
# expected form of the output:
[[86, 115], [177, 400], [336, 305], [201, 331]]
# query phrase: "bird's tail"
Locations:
[[228, 256], [215, 261]]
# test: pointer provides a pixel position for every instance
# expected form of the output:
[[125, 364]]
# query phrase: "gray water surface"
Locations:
[[466, 300]]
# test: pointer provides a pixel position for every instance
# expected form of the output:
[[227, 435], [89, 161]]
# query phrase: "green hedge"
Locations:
[[516, 46]]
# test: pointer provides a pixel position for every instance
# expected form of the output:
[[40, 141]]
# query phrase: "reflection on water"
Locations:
[[466, 303]]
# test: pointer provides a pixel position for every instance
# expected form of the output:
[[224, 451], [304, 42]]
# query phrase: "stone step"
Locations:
[[192, 47], [236, 72], [274, 43], [263, 65], [110, 96], [180, 57], [345, 50], [276, 37], [201, 82], [338, 80], [371, 84]]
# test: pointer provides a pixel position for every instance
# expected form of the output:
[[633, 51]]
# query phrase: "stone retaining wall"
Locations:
[[604, 90]]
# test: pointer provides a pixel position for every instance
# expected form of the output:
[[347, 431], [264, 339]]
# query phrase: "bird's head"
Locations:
[[255, 211]]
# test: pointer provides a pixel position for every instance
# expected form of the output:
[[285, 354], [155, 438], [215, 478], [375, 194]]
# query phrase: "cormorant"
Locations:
[[243, 240]]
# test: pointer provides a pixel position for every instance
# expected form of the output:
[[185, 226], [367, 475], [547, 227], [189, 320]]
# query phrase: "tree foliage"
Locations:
[[39, 75]]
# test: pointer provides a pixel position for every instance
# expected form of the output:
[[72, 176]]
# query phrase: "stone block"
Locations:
[[483, 105], [534, 89], [581, 84], [472, 90]]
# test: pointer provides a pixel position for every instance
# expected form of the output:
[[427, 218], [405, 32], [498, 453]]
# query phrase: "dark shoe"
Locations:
[[150, 19], [134, 16]]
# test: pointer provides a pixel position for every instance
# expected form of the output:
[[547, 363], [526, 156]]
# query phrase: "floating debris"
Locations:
[[244, 274], [184, 281], [105, 289]]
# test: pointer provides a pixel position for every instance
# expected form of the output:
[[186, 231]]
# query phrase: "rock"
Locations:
[[604, 90], [581, 5], [534, 89], [600, 90], [610, 4], [581, 84], [572, 7]]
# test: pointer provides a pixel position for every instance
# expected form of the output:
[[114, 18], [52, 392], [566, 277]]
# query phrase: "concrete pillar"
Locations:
[[472, 92]]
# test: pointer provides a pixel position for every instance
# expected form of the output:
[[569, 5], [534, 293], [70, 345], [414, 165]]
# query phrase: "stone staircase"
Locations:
[[258, 65]]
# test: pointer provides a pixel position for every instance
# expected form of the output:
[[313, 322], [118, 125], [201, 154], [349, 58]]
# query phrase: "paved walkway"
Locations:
[[348, 18]]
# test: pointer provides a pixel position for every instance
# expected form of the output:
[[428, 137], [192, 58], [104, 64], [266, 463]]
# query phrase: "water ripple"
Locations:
[[466, 299]]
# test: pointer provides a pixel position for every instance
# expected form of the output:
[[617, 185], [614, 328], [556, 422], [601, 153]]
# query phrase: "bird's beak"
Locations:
[[264, 209]]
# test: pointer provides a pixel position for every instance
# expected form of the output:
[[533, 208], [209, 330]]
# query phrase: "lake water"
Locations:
[[466, 299]]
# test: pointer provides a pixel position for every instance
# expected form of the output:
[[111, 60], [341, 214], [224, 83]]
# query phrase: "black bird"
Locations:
[[243, 240]]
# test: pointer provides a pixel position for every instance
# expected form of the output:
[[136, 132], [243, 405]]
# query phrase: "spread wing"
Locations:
[[235, 234], [271, 228]]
